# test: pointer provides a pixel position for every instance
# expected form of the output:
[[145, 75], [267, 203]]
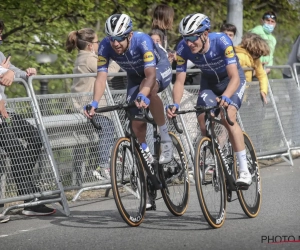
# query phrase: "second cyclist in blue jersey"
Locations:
[[223, 80], [148, 72]]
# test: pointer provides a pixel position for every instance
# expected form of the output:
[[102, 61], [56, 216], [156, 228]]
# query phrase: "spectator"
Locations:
[[162, 19], [268, 24], [294, 57], [13, 129], [229, 30], [251, 48], [87, 44], [157, 36]]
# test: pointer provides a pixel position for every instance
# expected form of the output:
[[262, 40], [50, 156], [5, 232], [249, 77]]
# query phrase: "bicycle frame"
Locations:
[[210, 132], [151, 168]]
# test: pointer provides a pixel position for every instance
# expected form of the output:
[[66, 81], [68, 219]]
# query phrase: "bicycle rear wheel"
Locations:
[[211, 189], [176, 178], [250, 199], [128, 182]]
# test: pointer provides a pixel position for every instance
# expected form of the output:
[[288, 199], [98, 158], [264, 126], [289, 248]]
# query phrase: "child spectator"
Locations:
[[157, 36], [229, 29], [249, 51]]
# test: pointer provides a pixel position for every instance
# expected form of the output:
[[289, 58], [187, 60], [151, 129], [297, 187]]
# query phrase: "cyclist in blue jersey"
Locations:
[[148, 72], [223, 80]]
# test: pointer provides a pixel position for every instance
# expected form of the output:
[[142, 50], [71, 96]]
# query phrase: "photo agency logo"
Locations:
[[278, 239]]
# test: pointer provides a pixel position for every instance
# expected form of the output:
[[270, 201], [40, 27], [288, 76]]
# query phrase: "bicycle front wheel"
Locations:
[[128, 182], [250, 199], [210, 183], [176, 178]]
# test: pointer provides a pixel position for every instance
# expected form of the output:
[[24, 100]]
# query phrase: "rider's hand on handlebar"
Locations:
[[223, 101], [142, 101], [171, 110], [89, 110]]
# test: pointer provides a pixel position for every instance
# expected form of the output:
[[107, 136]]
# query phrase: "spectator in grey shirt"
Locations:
[[22, 157]]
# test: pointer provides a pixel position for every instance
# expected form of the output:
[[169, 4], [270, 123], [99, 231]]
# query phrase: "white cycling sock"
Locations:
[[164, 133], [241, 156]]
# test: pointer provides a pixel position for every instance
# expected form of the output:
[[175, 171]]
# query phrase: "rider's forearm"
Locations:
[[232, 87], [177, 92], [148, 86], [99, 89]]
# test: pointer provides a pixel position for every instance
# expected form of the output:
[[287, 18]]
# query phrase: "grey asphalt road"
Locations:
[[97, 225]]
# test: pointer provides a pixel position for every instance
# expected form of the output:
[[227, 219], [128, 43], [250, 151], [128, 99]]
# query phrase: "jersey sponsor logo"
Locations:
[[178, 52], [144, 44], [180, 60], [223, 39], [100, 51], [204, 95], [166, 73], [231, 61], [148, 56], [229, 53], [101, 61]]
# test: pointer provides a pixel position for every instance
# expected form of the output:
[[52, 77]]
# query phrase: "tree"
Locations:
[[50, 21]]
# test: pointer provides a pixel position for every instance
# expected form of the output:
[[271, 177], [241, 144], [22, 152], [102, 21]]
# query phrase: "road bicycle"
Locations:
[[216, 170], [128, 163]]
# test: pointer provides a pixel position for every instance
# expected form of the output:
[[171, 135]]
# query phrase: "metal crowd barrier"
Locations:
[[79, 150], [73, 149], [295, 68], [27, 170]]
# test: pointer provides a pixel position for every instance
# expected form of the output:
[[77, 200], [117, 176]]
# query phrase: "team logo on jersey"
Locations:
[[229, 53], [148, 56], [101, 61], [180, 60]]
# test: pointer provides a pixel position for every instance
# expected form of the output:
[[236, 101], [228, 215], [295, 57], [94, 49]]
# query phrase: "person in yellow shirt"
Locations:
[[249, 51]]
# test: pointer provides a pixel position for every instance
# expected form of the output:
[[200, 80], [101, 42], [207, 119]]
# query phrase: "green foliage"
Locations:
[[50, 21]]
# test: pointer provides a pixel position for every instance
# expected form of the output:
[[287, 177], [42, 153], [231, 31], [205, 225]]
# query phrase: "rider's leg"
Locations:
[[157, 110], [163, 79], [237, 140], [140, 128]]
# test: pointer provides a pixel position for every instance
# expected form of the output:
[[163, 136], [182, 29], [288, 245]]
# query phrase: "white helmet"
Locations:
[[194, 23], [118, 25]]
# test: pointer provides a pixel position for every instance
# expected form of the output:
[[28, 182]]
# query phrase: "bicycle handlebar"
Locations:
[[205, 109], [124, 106]]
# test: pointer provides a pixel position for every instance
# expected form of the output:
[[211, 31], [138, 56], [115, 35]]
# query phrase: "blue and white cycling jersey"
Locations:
[[142, 53], [213, 63], [214, 77]]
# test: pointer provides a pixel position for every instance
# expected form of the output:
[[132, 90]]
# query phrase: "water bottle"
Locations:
[[148, 155]]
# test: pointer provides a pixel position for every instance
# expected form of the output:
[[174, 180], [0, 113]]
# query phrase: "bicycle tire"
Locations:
[[176, 177], [251, 208], [205, 178], [129, 192]]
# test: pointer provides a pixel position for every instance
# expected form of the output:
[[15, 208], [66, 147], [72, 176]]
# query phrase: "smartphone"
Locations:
[[7, 57]]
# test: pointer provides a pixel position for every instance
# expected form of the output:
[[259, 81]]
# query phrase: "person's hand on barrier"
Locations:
[[263, 97], [7, 78], [223, 101], [31, 72], [170, 109], [3, 111], [89, 110], [142, 101]]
